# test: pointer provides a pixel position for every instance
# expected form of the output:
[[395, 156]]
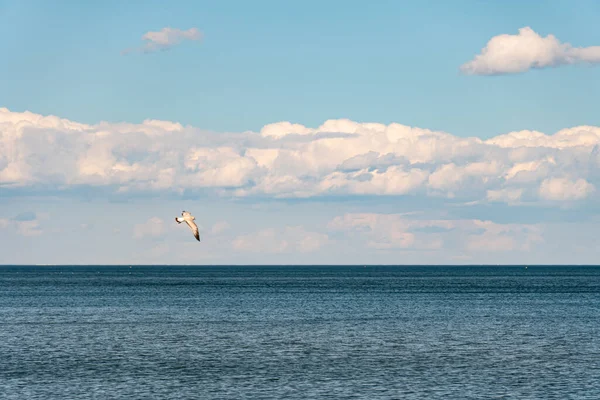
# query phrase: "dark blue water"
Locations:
[[299, 332]]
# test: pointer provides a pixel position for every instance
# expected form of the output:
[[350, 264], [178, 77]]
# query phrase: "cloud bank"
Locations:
[[165, 39], [471, 236], [285, 160], [511, 54]]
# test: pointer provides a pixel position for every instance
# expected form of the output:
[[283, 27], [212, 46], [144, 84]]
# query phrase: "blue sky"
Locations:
[[305, 63]]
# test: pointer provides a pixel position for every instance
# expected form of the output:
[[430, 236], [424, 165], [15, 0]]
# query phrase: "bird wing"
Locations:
[[194, 228]]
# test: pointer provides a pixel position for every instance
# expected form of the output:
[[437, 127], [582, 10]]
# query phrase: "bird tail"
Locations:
[[178, 221]]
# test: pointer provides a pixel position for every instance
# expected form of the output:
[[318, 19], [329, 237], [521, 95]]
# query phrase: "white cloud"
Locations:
[[450, 178], [153, 227], [509, 196], [563, 189], [288, 240], [383, 231], [502, 237], [285, 160], [565, 138], [222, 167], [400, 231], [511, 54], [165, 39]]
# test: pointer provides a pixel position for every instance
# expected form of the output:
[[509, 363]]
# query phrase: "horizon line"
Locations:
[[301, 265]]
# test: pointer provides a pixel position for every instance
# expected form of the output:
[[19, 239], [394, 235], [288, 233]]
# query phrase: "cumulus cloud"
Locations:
[[403, 231], [511, 54], [561, 189], [285, 160], [165, 39], [509, 196], [289, 239]]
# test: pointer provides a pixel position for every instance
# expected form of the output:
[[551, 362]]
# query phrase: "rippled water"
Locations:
[[299, 332]]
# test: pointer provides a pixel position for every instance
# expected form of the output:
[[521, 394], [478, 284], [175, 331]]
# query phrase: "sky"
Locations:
[[338, 132]]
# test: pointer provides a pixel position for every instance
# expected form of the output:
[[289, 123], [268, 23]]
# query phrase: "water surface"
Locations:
[[299, 332]]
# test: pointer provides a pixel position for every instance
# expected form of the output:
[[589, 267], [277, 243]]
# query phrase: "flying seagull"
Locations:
[[189, 219]]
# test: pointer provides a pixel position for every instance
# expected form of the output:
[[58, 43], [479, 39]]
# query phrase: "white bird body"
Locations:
[[189, 220]]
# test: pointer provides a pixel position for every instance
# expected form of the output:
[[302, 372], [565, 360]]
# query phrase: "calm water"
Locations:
[[299, 332]]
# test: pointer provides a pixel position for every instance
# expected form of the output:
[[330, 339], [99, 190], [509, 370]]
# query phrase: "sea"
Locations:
[[299, 332]]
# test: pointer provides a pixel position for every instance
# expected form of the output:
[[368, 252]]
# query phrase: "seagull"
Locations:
[[189, 219]]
